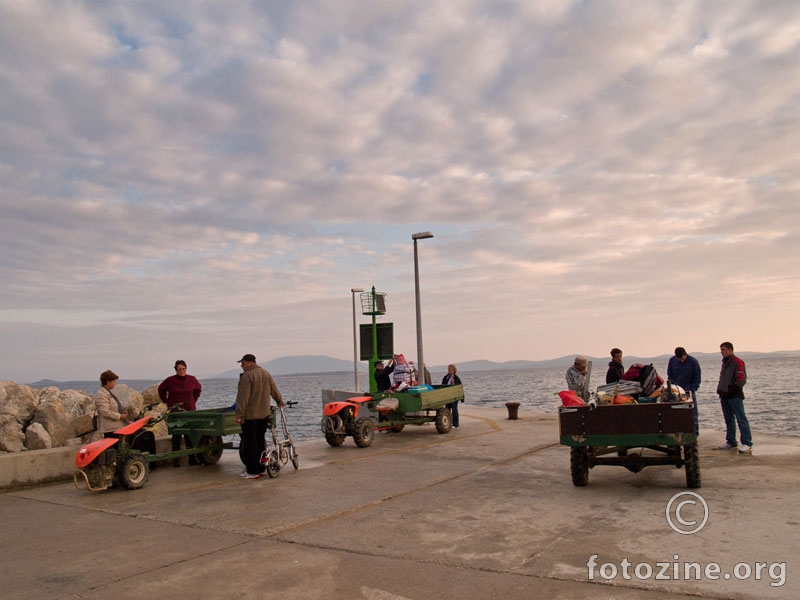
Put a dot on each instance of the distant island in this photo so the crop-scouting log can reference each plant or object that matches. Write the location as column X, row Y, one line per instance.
column 312, row 364
column 318, row 364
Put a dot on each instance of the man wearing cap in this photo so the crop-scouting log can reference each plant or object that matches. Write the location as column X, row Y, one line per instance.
column 576, row 375
column 256, row 386
column 382, row 373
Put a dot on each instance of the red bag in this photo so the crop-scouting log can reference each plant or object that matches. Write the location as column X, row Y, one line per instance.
column 570, row 398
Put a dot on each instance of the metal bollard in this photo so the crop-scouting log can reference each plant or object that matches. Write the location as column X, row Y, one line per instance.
column 512, row 407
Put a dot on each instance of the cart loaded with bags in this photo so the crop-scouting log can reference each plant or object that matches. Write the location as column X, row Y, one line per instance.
column 621, row 425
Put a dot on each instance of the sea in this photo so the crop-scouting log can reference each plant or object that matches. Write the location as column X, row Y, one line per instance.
column 771, row 403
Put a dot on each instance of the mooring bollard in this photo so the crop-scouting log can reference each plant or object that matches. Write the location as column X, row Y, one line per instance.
column 512, row 407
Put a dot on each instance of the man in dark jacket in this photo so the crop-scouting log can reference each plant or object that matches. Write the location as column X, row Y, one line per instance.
column 615, row 368
column 684, row 370
column 382, row 373
column 732, row 379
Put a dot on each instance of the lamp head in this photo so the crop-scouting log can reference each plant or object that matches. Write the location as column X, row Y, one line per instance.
column 356, row 290
column 422, row 235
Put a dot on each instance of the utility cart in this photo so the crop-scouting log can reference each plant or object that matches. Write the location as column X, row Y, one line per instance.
column 124, row 457
column 415, row 406
column 205, row 430
column 633, row 436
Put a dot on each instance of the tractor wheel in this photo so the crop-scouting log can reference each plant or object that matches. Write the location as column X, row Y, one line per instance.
column 273, row 464
column 364, row 432
column 335, row 439
column 135, row 471
column 210, row 457
column 579, row 465
column 692, row 465
column 444, row 420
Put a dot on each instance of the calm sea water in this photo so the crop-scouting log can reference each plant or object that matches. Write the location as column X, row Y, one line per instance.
column 771, row 403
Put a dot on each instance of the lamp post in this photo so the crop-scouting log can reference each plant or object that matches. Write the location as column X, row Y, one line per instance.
column 353, row 292
column 423, row 235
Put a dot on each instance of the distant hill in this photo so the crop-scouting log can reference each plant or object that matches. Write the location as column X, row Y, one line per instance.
column 294, row 365
column 566, row 361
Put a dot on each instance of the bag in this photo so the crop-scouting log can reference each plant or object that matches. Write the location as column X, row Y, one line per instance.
column 94, row 423
column 649, row 379
column 570, row 398
column 632, row 374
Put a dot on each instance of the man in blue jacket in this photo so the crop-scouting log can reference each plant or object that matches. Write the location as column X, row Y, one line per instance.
column 684, row 370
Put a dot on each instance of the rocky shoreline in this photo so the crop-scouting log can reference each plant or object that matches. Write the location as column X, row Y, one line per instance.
column 40, row 419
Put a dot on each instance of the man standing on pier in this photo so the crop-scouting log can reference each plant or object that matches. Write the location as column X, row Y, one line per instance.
column 256, row 386
column 684, row 370
column 732, row 378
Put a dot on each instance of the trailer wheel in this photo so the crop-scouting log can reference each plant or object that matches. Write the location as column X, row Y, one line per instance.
column 444, row 420
column 210, row 457
column 692, row 465
column 579, row 465
column 364, row 432
column 335, row 439
column 135, row 471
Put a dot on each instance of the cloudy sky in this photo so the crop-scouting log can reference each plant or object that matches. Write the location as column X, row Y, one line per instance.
column 200, row 180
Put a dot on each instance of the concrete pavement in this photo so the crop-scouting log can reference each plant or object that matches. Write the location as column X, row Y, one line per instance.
column 487, row 510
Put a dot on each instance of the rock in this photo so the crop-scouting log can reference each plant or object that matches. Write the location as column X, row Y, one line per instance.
column 131, row 400
column 150, row 395
column 11, row 437
column 37, row 438
column 83, row 424
column 20, row 401
column 77, row 403
column 56, row 420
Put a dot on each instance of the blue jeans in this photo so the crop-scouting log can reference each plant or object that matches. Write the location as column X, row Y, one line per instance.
column 453, row 406
column 733, row 411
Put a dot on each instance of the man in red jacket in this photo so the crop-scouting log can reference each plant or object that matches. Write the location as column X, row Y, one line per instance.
column 732, row 378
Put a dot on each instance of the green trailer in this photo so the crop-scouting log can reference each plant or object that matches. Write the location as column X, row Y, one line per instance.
column 416, row 406
column 633, row 436
column 205, row 430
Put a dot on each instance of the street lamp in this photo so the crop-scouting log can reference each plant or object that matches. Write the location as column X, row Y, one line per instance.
column 354, row 291
column 423, row 235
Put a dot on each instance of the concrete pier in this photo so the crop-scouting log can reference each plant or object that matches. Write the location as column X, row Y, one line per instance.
column 486, row 511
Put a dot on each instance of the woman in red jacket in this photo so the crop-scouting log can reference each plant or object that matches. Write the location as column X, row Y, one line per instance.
column 183, row 390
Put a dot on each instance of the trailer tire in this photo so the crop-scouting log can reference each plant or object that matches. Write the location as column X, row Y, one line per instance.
column 335, row 439
column 210, row 457
column 579, row 465
column 444, row 420
column 364, row 432
column 135, row 471
column 692, row 465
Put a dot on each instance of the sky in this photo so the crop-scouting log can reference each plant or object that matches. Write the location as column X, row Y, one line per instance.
column 198, row 180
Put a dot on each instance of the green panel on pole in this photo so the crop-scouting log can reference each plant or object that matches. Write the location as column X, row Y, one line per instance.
column 385, row 341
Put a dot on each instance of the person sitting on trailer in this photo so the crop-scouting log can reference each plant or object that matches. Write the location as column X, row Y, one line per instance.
column 576, row 375
column 615, row 368
column 382, row 379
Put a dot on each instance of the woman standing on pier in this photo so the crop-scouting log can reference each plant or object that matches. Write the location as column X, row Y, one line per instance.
column 452, row 379
column 110, row 412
